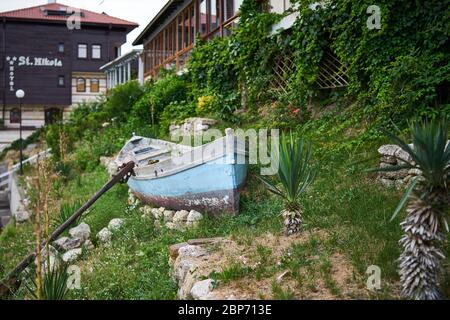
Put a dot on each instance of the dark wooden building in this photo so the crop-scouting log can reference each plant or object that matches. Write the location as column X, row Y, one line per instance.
column 56, row 62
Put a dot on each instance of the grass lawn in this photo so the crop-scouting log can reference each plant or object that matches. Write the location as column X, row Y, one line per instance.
column 345, row 202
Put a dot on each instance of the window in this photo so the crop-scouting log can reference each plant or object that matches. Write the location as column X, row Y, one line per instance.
column 61, row 81
column 95, row 85
column 231, row 8
column 14, row 116
column 61, row 47
column 202, row 19
column 96, row 51
column 214, row 17
column 116, row 52
column 82, row 51
column 81, row 85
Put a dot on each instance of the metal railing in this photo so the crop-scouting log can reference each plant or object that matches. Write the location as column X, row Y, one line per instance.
column 5, row 178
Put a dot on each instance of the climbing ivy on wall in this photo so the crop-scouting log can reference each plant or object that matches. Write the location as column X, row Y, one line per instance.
column 396, row 72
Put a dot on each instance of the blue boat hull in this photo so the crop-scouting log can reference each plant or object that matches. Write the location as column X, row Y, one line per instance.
column 211, row 187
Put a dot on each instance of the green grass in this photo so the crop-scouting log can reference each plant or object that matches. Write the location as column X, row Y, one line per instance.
column 344, row 202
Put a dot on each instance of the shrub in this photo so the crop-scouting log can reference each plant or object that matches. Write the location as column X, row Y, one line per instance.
column 121, row 100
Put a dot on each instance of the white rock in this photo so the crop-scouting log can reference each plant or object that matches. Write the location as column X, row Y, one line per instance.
column 157, row 214
column 115, row 224
column 201, row 290
column 105, row 235
column 162, row 209
column 88, row 245
column 82, row 231
column 171, row 226
column 192, row 251
column 21, row 216
column 181, row 216
column 388, row 150
column 66, row 243
column 72, row 255
column 168, row 215
column 194, row 218
column 49, row 261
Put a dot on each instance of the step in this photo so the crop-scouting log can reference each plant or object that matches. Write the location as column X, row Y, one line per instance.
column 5, row 213
column 4, row 221
column 4, row 196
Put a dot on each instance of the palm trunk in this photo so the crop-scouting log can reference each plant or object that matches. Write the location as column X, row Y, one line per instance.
column 420, row 262
column 293, row 221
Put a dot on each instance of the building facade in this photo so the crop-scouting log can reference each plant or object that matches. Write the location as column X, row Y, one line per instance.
column 55, row 64
column 124, row 68
column 169, row 38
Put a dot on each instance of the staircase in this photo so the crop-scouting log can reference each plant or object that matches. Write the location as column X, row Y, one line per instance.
column 5, row 213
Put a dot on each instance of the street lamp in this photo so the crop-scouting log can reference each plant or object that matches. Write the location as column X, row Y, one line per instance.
column 20, row 94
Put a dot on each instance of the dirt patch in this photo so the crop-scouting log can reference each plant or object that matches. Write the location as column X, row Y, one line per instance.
column 267, row 267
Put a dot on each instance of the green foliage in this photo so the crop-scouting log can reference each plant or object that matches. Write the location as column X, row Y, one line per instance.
column 121, row 100
column 176, row 111
column 67, row 210
column 54, row 284
column 397, row 72
column 295, row 172
column 212, row 69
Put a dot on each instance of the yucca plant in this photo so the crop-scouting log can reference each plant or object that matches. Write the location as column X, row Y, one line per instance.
column 66, row 211
column 54, row 284
column 295, row 174
column 428, row 206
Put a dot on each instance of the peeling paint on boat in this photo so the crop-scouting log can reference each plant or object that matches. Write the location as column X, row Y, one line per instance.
column 211, row 185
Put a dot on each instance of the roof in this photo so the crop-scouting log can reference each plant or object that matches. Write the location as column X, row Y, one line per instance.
column 41, row 13
column 130, row 55
column 160, row 19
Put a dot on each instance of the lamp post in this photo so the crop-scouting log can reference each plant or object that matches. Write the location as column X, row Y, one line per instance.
column 20, row 94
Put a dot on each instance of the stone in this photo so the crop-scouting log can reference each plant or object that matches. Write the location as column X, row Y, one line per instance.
column 388, row 150
column 201, row 290
column 157, row 214
column 49, row 261
column 168, row 215
column 21, row 216
column 194, row 218
column 105, row 235
column 88, row 245
column 171, row 226
column 387, row 183
column 82, row 231
column 415, row 172
column 115, row 224
column 66, row 243
column 173, row 249
column 197, row 242
column 388, row 160
column 72, row 255
column 110, row 165
column 180, row 216
column 192, row 251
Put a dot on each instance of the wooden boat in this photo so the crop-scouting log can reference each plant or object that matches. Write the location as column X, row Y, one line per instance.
column 205, row 178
